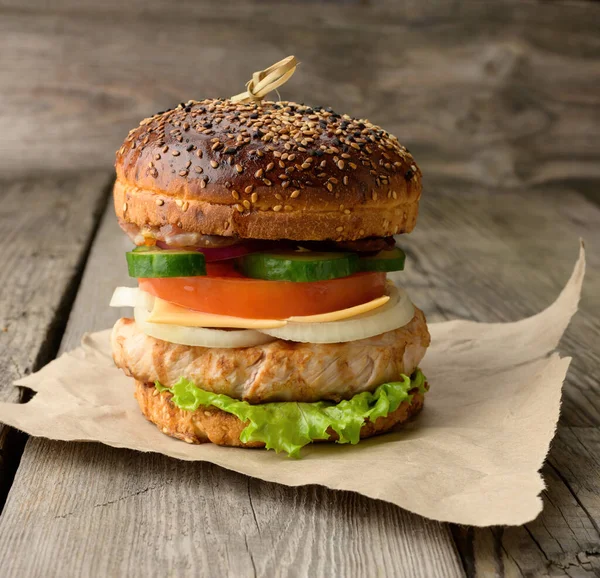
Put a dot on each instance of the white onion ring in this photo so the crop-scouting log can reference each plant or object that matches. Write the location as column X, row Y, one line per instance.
column 195, row 336
column 397, row 312
column 124, row 297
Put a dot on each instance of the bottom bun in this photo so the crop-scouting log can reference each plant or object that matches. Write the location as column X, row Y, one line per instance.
column 210, row 424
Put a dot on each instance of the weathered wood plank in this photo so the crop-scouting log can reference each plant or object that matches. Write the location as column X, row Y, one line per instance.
column 47, row 225
column 503, row 256
column 158, row 516
column 500, row 257
column 474, row 256
column 483, row 91
column 563, row 541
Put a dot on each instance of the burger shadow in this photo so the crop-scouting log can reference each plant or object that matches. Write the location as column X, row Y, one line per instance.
column 406, row 432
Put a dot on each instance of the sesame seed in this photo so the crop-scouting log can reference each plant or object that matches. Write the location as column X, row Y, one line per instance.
column 341, row 165
column 246, row 203
column 339, row 229
column 124, row 207
column 199, row 169
column 278, row 197
column 183, row 173
column 374, row 195
column 235, row 195
column 239, row 208
column 295, row 194
column 277, row 208
column 254, row 197
column 259, row 173
column 185, row 206
column 248, row 189
column 175, row 153
column 347, row 211
column 270, row 166
column 267, row 182
column 329, row 187
column 178, row 202
column 160, row 202
column 214, row 164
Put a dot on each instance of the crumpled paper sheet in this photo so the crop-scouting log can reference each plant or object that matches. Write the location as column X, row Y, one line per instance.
column 472, row 456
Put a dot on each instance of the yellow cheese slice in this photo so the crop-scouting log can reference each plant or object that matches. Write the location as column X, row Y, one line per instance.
column 165, row 312
column 342, row 313
column 169, row 313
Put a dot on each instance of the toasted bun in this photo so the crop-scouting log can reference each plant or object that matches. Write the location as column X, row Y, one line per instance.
column 266, row 171
column 209, row 424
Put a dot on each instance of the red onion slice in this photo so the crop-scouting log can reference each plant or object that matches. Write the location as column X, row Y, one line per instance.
column 218, row 253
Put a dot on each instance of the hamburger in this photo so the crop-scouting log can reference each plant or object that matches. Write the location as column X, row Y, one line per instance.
column 264, row 235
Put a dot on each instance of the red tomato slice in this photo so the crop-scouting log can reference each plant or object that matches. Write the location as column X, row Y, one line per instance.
column 224, row 291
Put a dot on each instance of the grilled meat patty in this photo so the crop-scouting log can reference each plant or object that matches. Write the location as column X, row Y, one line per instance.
column 279, row 370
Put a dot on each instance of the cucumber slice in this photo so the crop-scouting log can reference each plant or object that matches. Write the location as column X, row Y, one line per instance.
column 392, row 260
column 148, row 262
column 298, row 266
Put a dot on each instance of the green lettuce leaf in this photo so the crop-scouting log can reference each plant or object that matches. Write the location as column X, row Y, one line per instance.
column 289, row 426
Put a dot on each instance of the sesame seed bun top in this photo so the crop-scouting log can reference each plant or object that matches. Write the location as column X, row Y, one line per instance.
column 274, row 170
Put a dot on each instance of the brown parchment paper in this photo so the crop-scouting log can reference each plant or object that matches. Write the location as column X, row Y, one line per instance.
column 472, row 457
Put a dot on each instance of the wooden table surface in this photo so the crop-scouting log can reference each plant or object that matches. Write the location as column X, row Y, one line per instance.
column 499, row 102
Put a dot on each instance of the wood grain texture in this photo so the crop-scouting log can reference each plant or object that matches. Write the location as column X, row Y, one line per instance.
column 562, row 541
column 499, row 257
column 499, row 102
column 47, row 225
column 496, row 257
column 509, row 255
column 482, row 92
column 158, row 516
